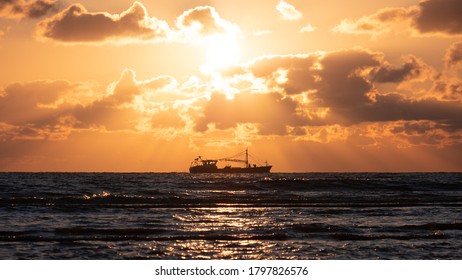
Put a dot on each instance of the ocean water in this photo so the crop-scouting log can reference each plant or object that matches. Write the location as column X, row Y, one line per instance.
column 216, row 216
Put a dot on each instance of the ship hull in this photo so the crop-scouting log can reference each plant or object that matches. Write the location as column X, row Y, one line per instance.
column 214, row 169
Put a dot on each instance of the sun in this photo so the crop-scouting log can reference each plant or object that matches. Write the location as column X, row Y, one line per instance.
column 222, row 51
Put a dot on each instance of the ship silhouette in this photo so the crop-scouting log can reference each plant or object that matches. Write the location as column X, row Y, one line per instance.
column 200, row 165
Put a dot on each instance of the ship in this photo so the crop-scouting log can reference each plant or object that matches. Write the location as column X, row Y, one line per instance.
column 200, row 165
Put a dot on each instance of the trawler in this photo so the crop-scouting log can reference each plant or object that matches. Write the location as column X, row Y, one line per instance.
column 200, row 165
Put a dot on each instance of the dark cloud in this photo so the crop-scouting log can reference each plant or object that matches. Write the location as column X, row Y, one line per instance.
column 332, row 80
column 353, row 98
column 416, row 133
column 76, row 24
column 439, row 16
column 453, row 55
column 428, row 17
column 413, row 127
column 27, row 8
column 449, row 89
column 341, row 82
column 395, row 107
column 338, row 88
column 413, row 68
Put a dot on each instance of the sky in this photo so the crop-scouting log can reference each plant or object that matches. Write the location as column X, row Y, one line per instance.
column 307, row 85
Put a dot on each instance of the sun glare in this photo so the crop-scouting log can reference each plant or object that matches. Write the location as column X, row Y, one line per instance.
column 222, row 51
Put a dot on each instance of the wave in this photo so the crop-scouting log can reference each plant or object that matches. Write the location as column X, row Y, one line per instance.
column 136, row 234
column 319, row 228
column 215, row 200
column 434, row 226
column 329, row 207
column 366, row 237
column 314, row 231
column 405, row 232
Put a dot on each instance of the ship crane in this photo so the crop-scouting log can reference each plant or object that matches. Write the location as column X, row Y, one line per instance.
column 235, row 160
column 232, row 159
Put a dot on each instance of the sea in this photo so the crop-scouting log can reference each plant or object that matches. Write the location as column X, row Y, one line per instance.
column 174, row 216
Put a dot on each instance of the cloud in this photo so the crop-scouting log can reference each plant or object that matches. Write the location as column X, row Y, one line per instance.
column 125, row 89
column 167, row 118
column 396, row 107
column 119, row 110
column 76, row 24
column 104, row 115
column 38, row 109
column 298, row 92
column 285, row 74
column 439, row 16
column 412, row 69
column 429, row 17
column 203, row 21
column 288, row 11
column 54, row 109
column 307, row 29
column 269, row 111
column 383, row 21
column 407, row 134
column 262, row 32
column 453, row 55
column 341, row 82
column 18, row 9
column 339, row 88
column 38, row 102
column 317, row 97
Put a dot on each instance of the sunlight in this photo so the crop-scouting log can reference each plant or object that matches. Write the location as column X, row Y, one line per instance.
column 222, row 51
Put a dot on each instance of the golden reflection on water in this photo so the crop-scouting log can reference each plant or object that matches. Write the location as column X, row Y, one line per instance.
column 223, row 249
column 238, row 233
column 234, row 219
column 225, row 233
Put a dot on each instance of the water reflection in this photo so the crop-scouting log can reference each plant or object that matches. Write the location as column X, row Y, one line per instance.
column 227, row 233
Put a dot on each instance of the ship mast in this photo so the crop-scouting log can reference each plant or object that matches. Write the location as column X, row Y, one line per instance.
column 246, row 158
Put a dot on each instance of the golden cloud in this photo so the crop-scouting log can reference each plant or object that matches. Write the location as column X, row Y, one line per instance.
column 317, row 97
column 203, row 21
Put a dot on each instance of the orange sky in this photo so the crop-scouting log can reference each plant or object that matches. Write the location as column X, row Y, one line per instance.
column 307, row 85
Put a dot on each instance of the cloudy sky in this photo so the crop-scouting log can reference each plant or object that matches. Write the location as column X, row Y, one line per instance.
column 309, row 85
